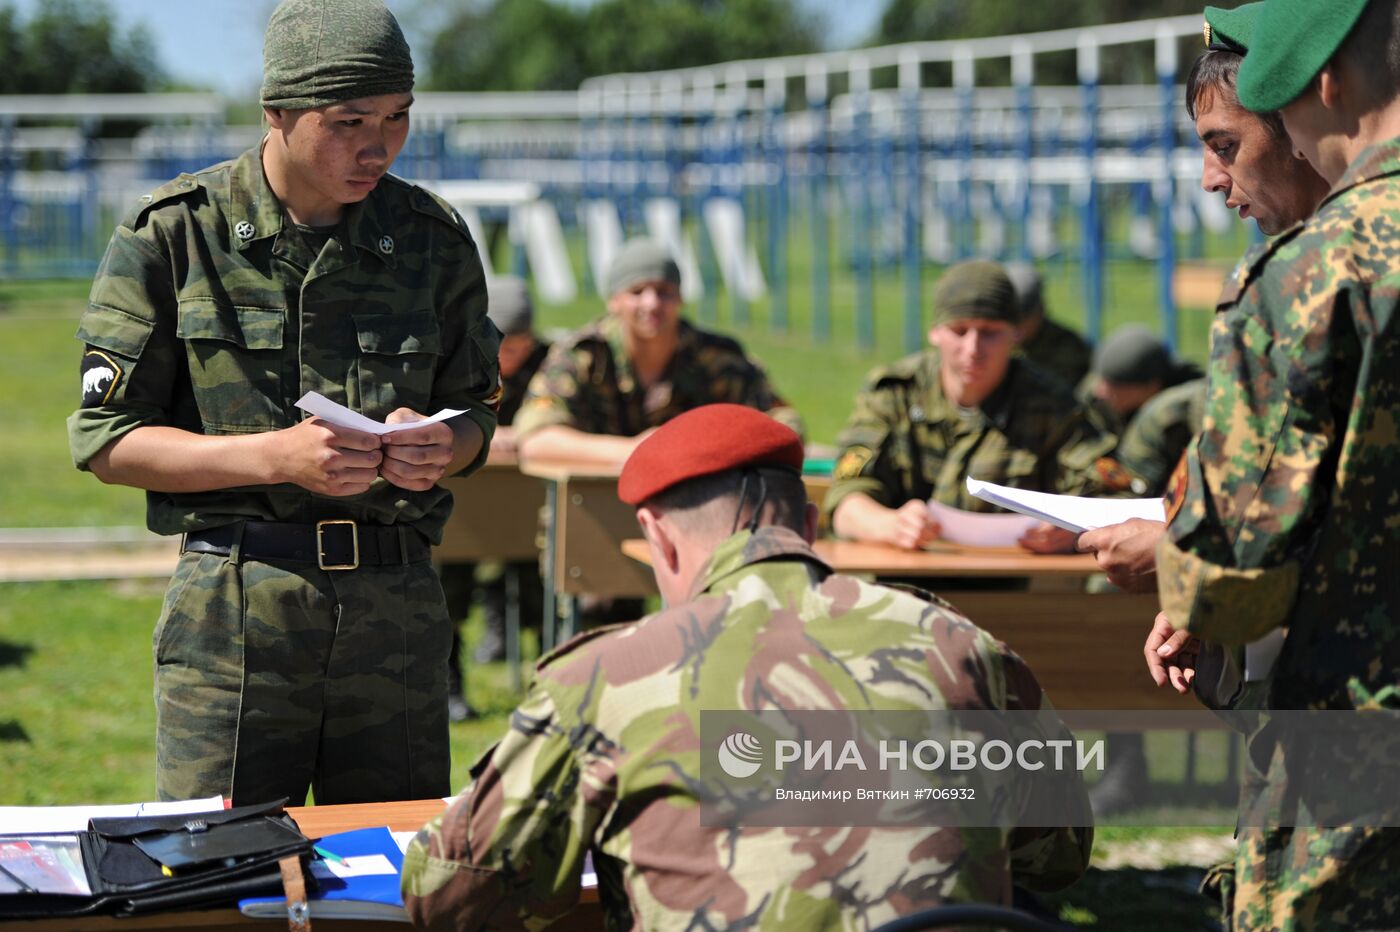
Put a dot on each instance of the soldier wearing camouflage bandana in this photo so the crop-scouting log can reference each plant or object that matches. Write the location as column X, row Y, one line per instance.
column 1282, row 515
column 303, row 636
column 604, row 754
column 967, row 407
column 635, row 369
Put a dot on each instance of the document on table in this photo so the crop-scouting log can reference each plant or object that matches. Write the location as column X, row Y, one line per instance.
column 1071, row 512
column 975, row 529
column 321, row 406
column 45, row 820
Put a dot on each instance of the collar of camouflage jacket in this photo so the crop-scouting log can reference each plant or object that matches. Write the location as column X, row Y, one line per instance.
column 255, row 213
column 746, row 548
column 1374, row 162
column 995, row 408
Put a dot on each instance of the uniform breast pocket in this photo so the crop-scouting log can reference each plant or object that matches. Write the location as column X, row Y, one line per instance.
column 398, row 361
column 235, row 358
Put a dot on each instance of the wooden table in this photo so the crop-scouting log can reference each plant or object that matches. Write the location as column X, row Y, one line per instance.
column 1085, row 648
column 315, row 821
column 586, row 524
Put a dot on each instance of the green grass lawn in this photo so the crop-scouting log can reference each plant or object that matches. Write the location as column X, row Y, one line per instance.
column 76, row 717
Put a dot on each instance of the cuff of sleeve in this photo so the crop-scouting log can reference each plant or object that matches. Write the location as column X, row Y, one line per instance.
column 484, row 418
column 844, row 487
column 91, row 429
column 539, row 413
column 1219, row 603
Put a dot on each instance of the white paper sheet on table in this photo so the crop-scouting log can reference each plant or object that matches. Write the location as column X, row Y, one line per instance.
column 1071, row 512
column 975, row 529
column 321, row 406
column 44, row 820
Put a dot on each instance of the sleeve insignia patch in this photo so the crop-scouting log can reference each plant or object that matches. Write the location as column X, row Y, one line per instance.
column 101, row 375
column 1112, row 475
column 852, row 463
column 1176, row 489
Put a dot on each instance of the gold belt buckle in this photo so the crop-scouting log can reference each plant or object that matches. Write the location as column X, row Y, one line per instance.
column 321, row 545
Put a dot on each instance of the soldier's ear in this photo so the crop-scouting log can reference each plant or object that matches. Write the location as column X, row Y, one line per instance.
column 665, row 556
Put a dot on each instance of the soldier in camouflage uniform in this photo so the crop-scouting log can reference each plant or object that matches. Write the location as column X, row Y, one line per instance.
column 1246, row 158
column 303, row 635
column 1282, row 514
column 633, row 370
column 604, row 754
column 1053, row 347
column 967, row 407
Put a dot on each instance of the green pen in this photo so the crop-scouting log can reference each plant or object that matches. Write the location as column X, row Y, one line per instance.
column 328, row 855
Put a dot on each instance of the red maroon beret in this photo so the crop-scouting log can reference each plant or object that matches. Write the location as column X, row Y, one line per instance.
column 705, row 441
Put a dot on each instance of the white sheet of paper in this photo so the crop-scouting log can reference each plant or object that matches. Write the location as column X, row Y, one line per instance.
column 366, row 865
column 321, row 406
column 44, row 820
column 975, row 529
column 1071, row 512
column 1261, row 655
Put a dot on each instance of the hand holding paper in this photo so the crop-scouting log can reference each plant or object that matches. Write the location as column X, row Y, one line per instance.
column 327, row 410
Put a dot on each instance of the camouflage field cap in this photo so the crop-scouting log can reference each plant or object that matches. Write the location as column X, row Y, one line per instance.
column 319, row 52
column 704, row 441
column 1231, row 30
column 1292, row 40
column 508, row 305
column 641, row 260
column 975, row 289
column 1133, row 355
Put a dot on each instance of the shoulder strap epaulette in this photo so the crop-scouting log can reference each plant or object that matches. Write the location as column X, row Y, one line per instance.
column 181, row 186
column 433, row 205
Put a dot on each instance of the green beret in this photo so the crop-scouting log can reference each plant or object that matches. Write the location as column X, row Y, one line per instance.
column 1231, row 30
column 319, row 52
column 975, row 289
column 1293, row 39
column 641, row 260
column 1133, row 355
column 508, row 305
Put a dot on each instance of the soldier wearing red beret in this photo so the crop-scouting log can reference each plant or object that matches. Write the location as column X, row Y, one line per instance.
column 605, row 753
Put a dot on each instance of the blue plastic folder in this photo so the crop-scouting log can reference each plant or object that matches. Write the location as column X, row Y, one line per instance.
column 361, row 886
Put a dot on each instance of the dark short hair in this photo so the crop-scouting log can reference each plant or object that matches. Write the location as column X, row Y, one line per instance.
column 784, row 493
column 1215, row 71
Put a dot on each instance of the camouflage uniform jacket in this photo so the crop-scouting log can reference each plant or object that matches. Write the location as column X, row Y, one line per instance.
column 1059, row 351
column 1159, row 433
column 1283, row 511
column 1283, row 514
column 603, row 756
column 210, row 313
column 587, row 383
column 514, row 386
column 905, row 440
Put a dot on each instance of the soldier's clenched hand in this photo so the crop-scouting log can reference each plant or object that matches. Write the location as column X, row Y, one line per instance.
column 1171, row 655
column 416, row 459
column 326, row 459
column 912, row 525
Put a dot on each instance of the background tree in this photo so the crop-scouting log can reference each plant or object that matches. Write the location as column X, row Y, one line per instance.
column 75, row 46
column 532, row 45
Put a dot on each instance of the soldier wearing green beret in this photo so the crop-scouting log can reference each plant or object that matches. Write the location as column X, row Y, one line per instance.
column 1052, row 346
column 965, row 407
column 604, row 386
column 605, row 753
column 302, row 641
column 1248, row 159
column 1281, row 516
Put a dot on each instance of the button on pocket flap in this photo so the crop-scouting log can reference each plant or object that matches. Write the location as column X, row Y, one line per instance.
column 395, row 334
column 248, row 327
column 114, row 330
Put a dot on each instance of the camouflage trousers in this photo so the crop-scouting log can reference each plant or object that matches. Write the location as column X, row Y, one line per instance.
column 270, row 679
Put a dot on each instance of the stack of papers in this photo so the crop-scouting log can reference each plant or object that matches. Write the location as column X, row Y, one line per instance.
column 975, row 529
column 1071, row 512
column 48, row 820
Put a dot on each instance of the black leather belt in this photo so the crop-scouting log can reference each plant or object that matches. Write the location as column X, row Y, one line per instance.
column 332, row 545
